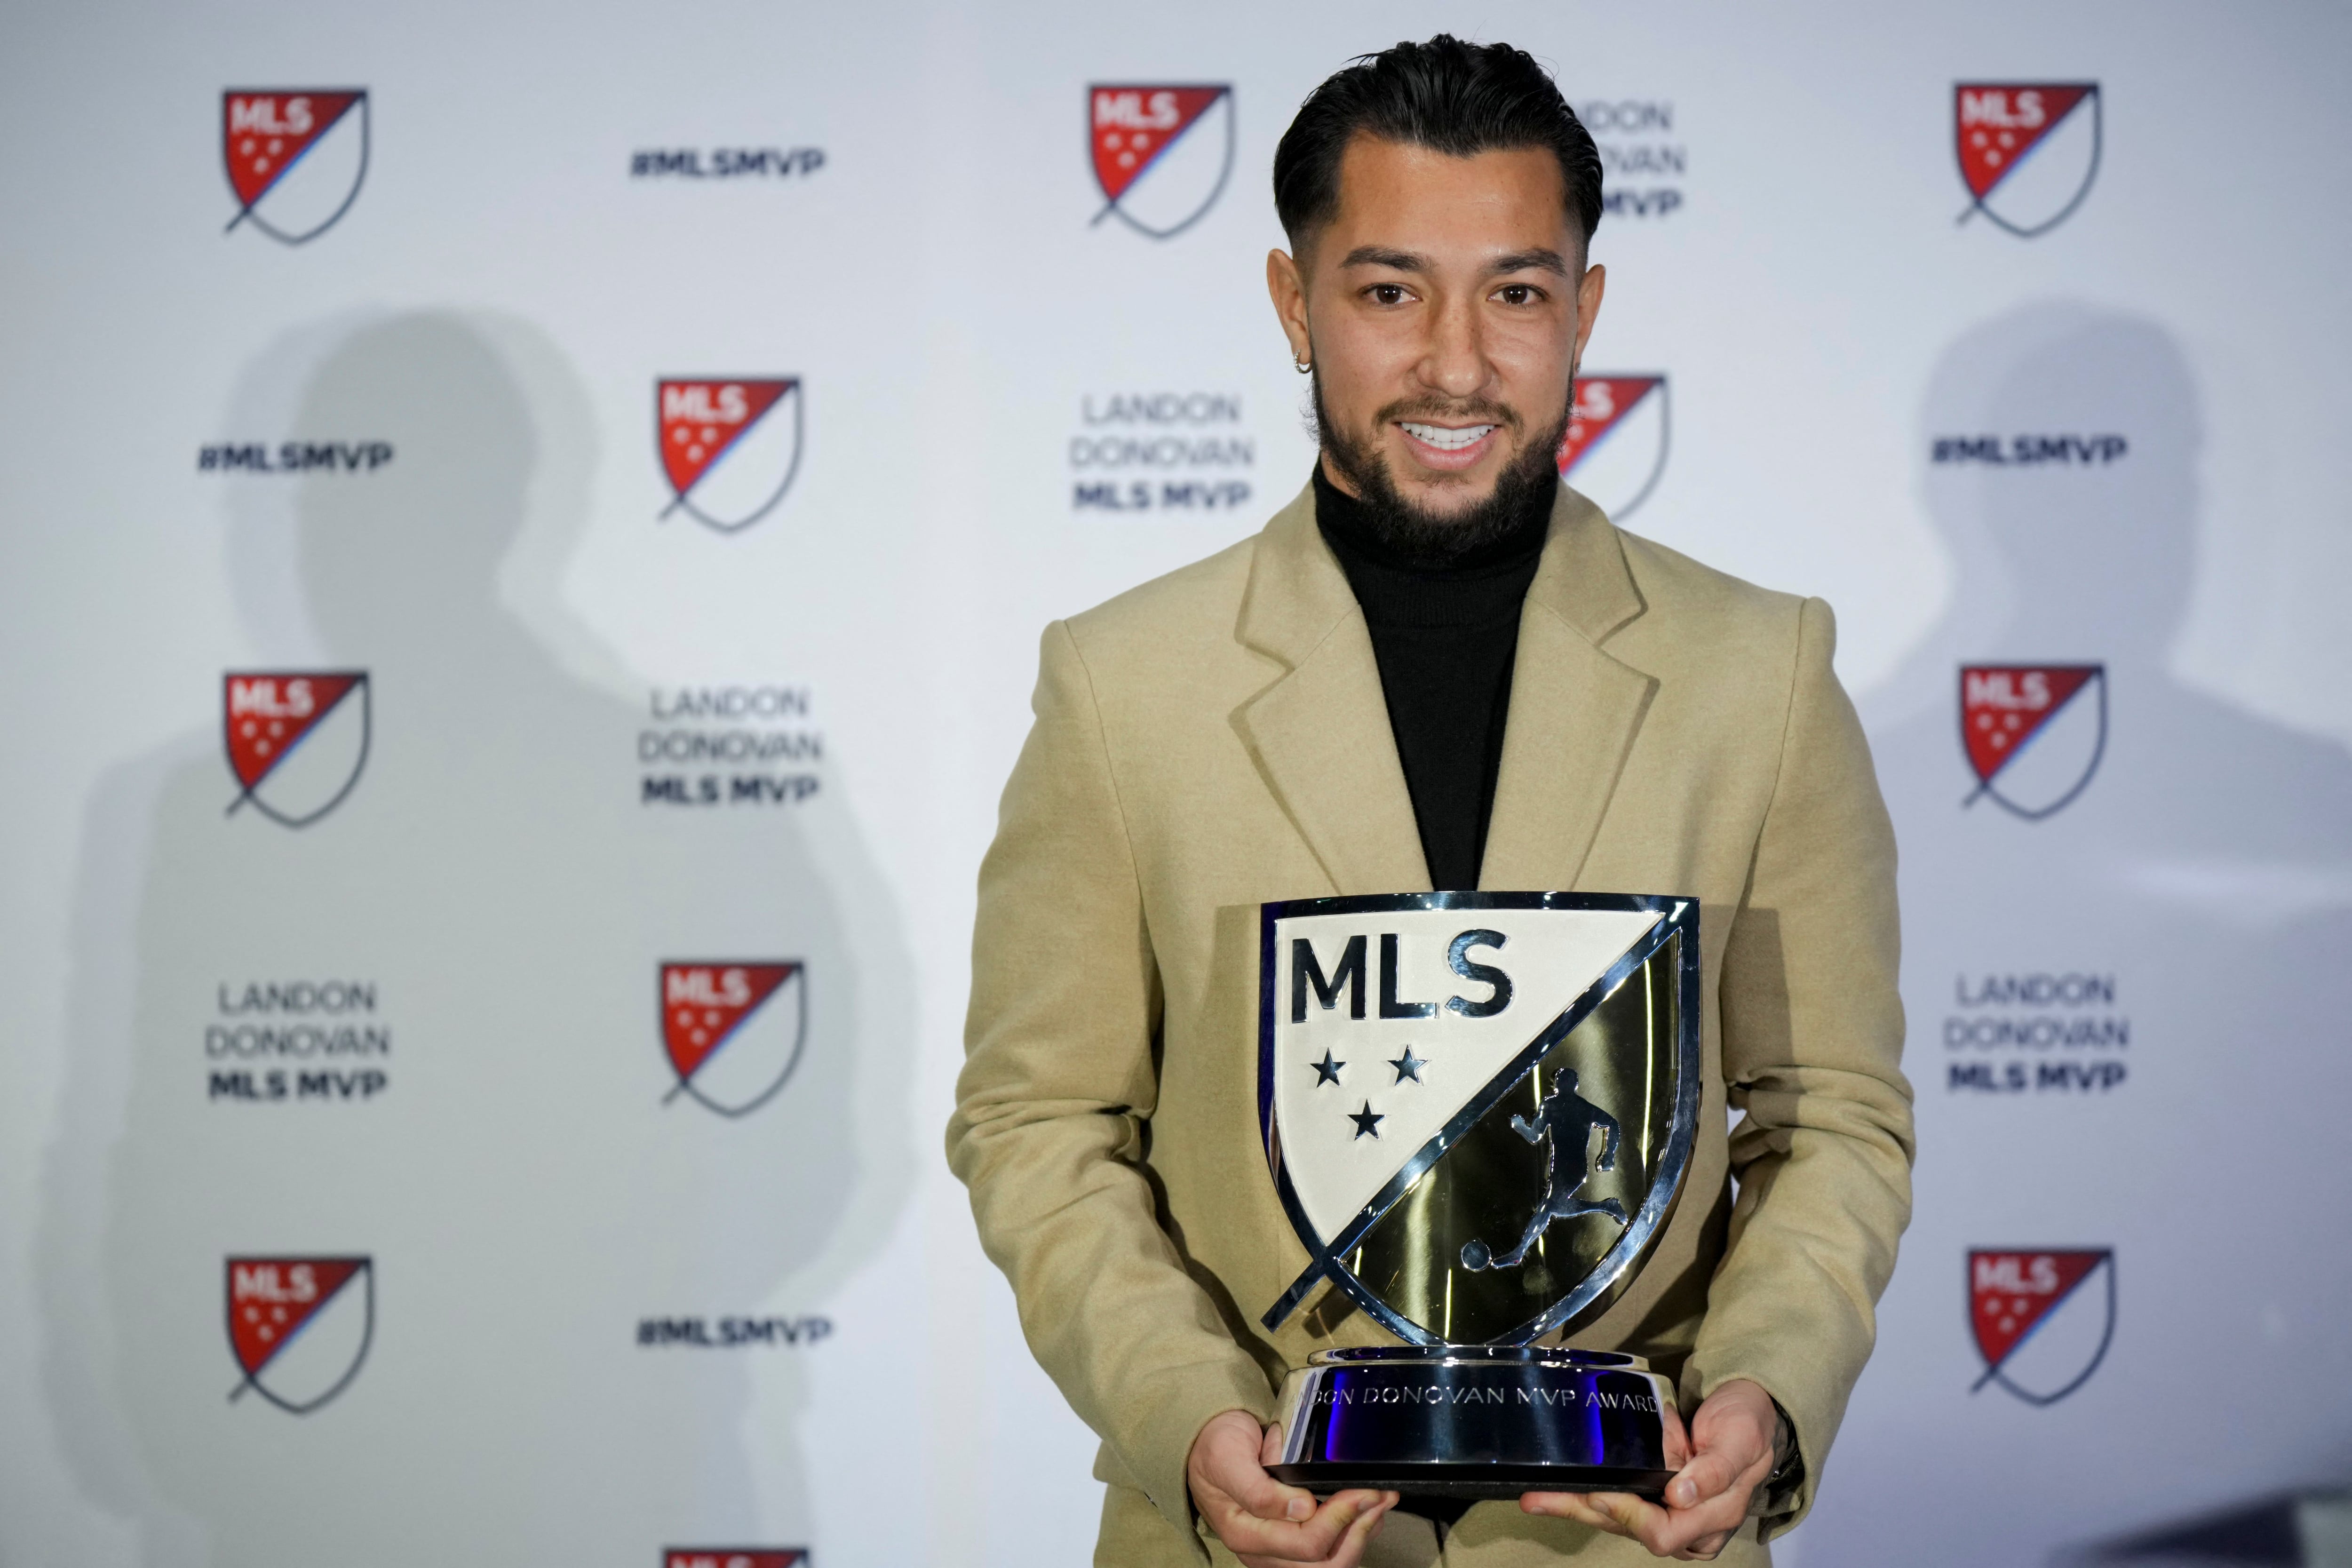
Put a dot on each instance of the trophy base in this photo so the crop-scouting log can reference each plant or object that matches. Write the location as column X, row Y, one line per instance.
column 1474, row 1421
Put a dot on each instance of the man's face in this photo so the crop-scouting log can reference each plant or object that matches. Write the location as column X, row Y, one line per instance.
column 1443, row 308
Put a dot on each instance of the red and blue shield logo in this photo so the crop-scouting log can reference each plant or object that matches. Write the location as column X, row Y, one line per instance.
column 297, row 740
column 1614, row 452
column 295, row 157
column 2034, row 733
column 2043, row 1318
column 1162, row 152
column 299, row 1327
column 730, row 445
column 2028, row 149
column 733, row 1030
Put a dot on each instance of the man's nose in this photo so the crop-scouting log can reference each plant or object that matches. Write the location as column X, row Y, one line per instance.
column 1454, row 360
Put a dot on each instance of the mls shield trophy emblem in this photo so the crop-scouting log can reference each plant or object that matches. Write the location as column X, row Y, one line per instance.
column 1478, row 1110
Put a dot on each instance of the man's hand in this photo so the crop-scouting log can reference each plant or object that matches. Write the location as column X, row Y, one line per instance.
column 1729, row 1454
column 1264, row 1522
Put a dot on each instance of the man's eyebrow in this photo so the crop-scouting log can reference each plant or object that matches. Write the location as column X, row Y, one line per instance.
column 1541, row 259
column 1380, row 256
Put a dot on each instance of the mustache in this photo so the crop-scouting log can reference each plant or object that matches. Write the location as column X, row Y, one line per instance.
column 1467, row 411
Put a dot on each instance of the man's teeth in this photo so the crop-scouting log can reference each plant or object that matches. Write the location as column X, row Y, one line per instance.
column 1444, row 439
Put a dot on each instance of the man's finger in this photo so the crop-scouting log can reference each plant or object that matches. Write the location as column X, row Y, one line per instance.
column 1633, row 1516
column 1225, row 1460
column 1678, row 1448
column 1347, row 1553
column 1241, row 1478
column 1706, row 1548
column 1683, row 1531
column 1707, row 1476
column 1618, row 1513
column 1360, row 1536
column 1315, row 1540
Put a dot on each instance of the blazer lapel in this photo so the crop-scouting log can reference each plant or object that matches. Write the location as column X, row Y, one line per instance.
column 1574, row 708
column 1320, row 732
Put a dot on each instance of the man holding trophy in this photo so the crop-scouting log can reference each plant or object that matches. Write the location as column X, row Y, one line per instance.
column 1365, row 1222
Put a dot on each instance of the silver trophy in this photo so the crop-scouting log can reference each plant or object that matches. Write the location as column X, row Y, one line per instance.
column 1479, row 1109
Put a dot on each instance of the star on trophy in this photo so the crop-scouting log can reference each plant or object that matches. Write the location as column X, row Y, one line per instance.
column 1478, row 1110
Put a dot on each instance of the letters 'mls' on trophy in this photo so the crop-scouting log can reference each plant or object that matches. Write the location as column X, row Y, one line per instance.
column 1478, row 1110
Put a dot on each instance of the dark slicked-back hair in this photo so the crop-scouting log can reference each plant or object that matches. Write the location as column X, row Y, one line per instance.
column 1445, row 95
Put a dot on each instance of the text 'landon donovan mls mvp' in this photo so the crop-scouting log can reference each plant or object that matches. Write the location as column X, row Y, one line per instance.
column 295, row 157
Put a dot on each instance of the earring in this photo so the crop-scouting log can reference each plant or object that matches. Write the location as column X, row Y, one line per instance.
column 1303, row 367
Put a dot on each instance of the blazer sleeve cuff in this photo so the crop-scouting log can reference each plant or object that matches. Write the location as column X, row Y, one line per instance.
column 1813, row 1414
column 1160, row 1424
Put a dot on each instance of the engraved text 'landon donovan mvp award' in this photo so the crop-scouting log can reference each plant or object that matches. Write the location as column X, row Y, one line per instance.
column 1478, row 1110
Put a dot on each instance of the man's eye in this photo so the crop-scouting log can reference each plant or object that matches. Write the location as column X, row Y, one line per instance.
column 1517, row 294
column 1387, row 294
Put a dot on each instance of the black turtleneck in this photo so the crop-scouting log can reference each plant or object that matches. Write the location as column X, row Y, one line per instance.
column 1444, row 637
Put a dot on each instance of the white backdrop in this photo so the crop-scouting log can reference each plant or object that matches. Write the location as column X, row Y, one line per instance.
column 602, row 1322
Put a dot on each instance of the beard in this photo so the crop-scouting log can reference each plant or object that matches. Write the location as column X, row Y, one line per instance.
column 1427, row 537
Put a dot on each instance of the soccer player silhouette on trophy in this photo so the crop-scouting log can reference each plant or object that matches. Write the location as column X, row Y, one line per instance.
column 1569, row 1118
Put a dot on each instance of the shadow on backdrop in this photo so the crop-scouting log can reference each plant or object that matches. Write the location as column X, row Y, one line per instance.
column 2176, row 1092
column 2094, row 562
column 2305, row 1530
column 526, row 1192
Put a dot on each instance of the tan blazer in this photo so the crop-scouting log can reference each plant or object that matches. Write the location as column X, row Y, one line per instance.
column 1217, row 739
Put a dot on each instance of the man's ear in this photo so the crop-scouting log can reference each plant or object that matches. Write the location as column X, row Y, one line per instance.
column 1589, row 290
column 1288, row 289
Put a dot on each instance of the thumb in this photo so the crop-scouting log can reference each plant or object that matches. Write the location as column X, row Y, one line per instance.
column 1280, row 1501
column 1706, row 1476
column 1678, row 1445
column 1241, row 1476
